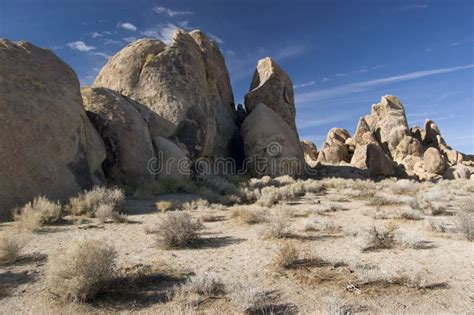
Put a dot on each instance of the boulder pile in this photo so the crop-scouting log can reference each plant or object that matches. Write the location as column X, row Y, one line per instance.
column 157, row 112
column 384, row 145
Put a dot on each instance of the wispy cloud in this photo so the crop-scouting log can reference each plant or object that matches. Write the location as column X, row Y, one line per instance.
column 127, row 26
column 455, row 44
column 130, row 39
column 101, row 54
column 304, row 84
column 290, row 51
column 169, row 12
column 162, row 32
column 80, row 46
column 217, row 39
column 413, row 6
column 351, row 88
column 96, row 34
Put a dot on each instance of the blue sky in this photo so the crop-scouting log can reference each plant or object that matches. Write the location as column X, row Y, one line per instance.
column 341, row 55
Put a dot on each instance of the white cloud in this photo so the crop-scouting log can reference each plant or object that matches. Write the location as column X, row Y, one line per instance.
column 290, row 51
column 169, row 12
column 96, row 34
column 80, row 46
column 455, row 44
column 130, row 39
column 304, row 84
column 215, row 38
column 413, row 6
column 128, row 26
column 351, row 88
column 163, row 33
column 109, row 41
column 101, row 54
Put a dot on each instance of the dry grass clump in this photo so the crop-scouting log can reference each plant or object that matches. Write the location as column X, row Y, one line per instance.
column 89, row 202
column 409, row 214
column 250, row 216
column 10, row 248
column 208, row 217
column 404, row 187
column 164, row 205
column 375, row 238
column 198, row 288
column 465, row 219
column 439, row 226
column 409, row 239
column 278, row 224
column 382, row 199
column 195, row 204
column 79, row 273
column 286, row 256
column 320, row 225
column 178, row 230
column 36, row 214
column 247, row 299
column 107, row 213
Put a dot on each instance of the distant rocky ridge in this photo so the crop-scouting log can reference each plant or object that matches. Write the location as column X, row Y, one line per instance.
column 174, row 105
column 384, row 145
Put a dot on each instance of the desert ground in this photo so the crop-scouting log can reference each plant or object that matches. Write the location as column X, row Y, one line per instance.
column 325, row 246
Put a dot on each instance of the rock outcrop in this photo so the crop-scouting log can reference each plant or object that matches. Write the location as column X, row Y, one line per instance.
column 272, row 87
column 310, row 152
column 172, row 162
column 125, row 134
column 334, row 150
column 373, row 158
column 388, row 121
column 48, row 145
column 416, row 152
column 271, row 146
column 186, row 83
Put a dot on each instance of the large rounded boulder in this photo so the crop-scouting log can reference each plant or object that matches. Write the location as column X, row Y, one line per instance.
column 186, row 83
column 271, row 146
column 48, row 145
column 434, row 162
column 125, row 134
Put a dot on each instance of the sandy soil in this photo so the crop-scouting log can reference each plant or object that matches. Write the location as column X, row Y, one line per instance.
column 238, row 253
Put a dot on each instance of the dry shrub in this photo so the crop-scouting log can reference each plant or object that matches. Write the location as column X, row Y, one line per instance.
column 409, row 239
column 177, row 230
column 375, row 238
column 404, row 187
column 286, row 256
column 79, row 273
column 250, row 216
column 321, row 225
column 164, row 205
column 278, row 224
column 88, row 202
column 249, row 300
column 195, row 204
column 199, row 287
column 106, row 213
column 10, row 248
column 439, row 226
column 465, row 219
column 409, row 214
column 208, row 217
column 37, row 213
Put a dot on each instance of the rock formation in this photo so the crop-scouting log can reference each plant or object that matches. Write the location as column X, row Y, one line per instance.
column 186, row 83
column 48, row 145
column 310, row 152
column 271, row 146
column 125, row 134
column 373, row 158
column 272, row 87
column 334, row 150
